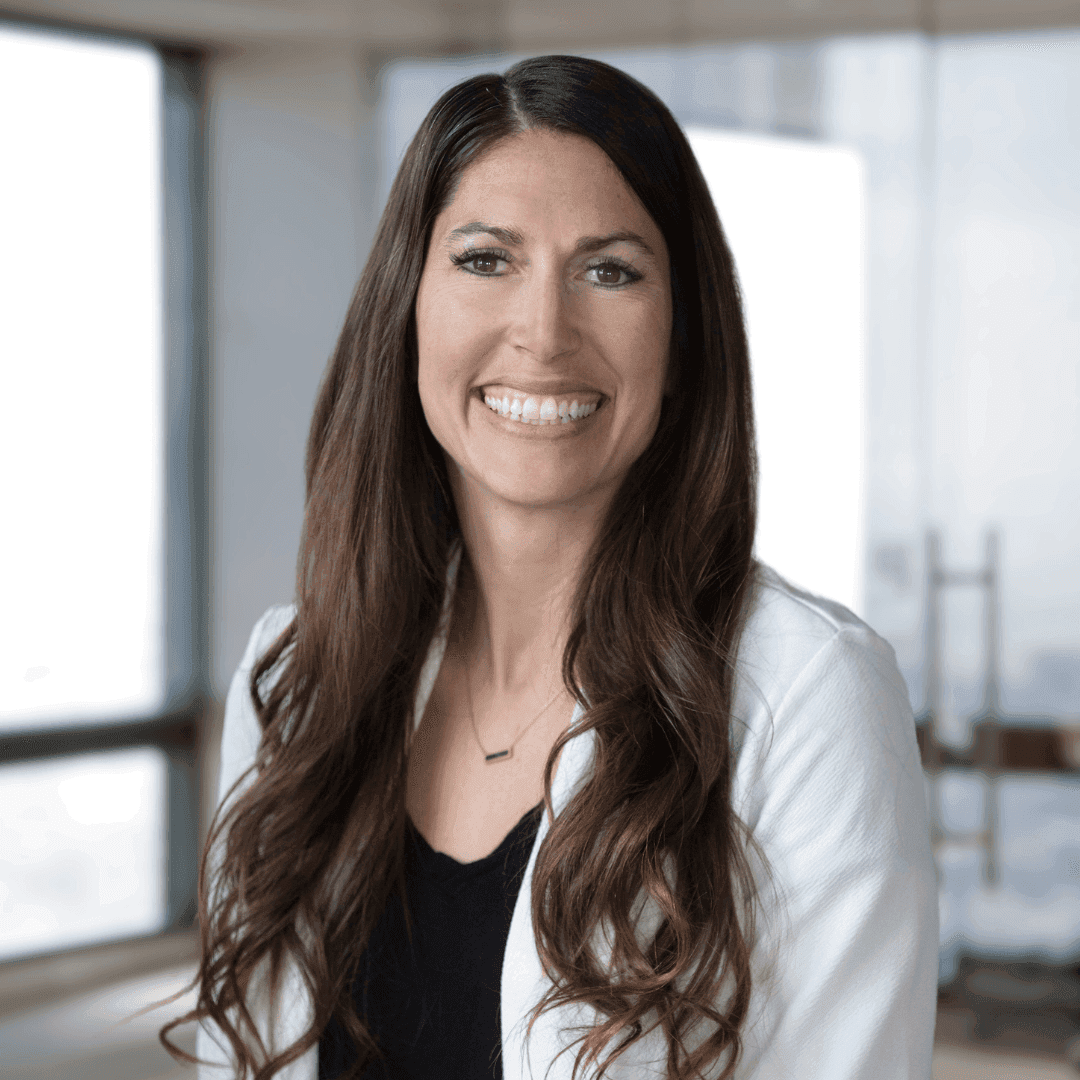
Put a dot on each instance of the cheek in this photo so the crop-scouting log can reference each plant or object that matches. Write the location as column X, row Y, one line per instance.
column 427, row 316
column 639, row 340
column 448, row 325
column 437, row 339
column 429, row 346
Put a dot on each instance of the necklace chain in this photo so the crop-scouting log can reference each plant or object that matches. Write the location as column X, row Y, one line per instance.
column 500, row 755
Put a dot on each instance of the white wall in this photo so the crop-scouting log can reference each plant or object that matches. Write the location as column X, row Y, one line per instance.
column 794, row 214
column 291, row 189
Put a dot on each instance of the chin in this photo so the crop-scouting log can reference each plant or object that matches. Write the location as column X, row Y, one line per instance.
column 538, row 493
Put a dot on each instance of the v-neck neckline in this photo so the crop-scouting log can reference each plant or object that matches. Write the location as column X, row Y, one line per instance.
column 443, row 865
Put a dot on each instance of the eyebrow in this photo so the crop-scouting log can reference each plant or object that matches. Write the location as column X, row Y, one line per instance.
column 503, row 235
column 597, row 243
column 585, row 245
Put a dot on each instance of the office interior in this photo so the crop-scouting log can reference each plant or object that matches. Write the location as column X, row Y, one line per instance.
column 898, row 182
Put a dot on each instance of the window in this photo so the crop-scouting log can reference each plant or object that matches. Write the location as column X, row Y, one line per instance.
column 102, row 648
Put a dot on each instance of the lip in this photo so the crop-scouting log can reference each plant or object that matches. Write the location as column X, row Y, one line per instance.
column 539, row 388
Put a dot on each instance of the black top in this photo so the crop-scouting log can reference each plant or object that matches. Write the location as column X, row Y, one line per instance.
column 434, row 1009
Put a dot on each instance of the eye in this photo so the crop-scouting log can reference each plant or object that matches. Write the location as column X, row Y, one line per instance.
column 612, row 272
column 483, row 263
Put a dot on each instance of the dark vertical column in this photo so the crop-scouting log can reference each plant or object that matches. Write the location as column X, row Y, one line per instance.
column 991, row 707
column 186, row 515
column 992, row 615
column 932, row 667
column 932, row 631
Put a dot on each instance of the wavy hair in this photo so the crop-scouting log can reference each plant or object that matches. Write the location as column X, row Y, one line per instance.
column 308, row 853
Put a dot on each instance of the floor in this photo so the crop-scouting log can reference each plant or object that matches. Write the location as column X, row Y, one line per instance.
column 95, row 1037
column 950, row 1063
column 953, row 1062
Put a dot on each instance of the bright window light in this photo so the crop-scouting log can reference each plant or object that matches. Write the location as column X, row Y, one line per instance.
column 794, row 213
column 81, row 363
column 82, row 850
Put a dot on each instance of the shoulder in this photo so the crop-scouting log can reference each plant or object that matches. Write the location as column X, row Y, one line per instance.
column 241, row 731
column 819, row 702
column 793, row 637
column 821, row 716
column 268, row 626
column 828, row 780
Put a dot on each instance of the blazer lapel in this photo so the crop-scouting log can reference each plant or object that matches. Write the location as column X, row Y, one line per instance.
column 523, row 980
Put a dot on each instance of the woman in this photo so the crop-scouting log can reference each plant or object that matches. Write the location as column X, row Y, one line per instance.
column 543, row 774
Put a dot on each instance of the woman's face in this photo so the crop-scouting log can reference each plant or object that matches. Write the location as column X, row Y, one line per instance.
column 546, row 290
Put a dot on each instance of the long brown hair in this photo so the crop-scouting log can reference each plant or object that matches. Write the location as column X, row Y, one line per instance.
column 308, row 854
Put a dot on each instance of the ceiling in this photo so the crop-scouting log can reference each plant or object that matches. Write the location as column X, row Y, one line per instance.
column 422, row 27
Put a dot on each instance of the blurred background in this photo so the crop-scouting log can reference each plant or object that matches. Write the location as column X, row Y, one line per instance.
column 187, row 196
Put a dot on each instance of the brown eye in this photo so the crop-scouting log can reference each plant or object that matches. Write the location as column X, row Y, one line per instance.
column 482, row 263
column 612, row 274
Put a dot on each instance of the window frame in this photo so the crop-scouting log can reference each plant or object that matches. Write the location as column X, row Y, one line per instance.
column 179, row 729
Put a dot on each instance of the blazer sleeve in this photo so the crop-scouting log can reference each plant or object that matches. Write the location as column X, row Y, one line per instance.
column 846, row 957
column 240, row 738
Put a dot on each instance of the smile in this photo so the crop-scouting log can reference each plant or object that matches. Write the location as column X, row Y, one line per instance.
column 540, row 411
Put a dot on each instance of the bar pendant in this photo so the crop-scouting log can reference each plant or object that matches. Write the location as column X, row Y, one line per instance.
column 499, row 755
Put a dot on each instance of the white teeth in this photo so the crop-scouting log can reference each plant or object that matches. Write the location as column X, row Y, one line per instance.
column 531, row 411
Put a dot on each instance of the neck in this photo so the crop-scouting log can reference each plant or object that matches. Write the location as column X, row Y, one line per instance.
column 518, row 574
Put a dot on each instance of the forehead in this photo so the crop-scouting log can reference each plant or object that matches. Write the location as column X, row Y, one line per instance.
column 564, row 181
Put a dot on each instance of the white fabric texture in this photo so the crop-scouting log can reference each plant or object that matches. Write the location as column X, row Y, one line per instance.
column 829, row 781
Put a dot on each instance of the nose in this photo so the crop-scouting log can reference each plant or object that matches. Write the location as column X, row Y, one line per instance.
column 542, row 321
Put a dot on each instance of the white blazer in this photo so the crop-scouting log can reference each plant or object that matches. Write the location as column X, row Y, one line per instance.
column 829, row 780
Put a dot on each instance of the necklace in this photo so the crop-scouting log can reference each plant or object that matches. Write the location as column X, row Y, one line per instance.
column 500, row 755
